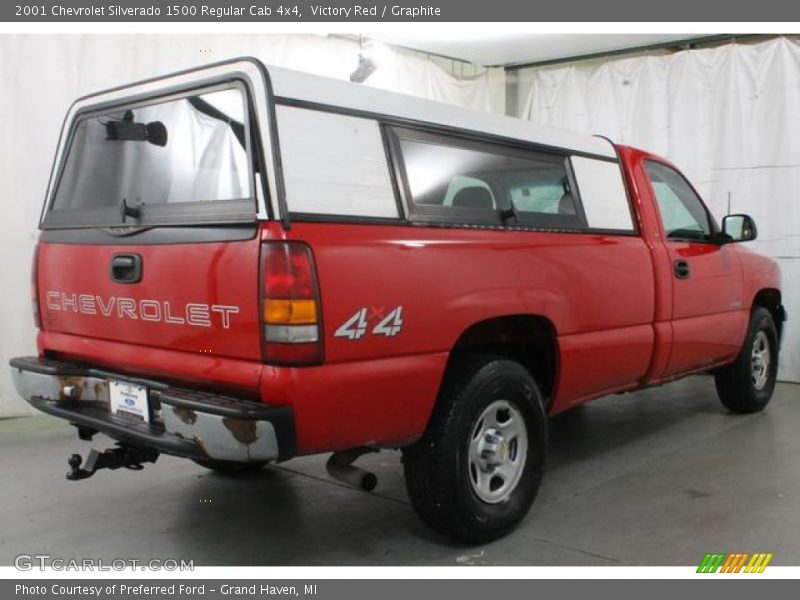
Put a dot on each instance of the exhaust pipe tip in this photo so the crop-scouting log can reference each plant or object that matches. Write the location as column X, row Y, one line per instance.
column 340, row 467
column 369, row 481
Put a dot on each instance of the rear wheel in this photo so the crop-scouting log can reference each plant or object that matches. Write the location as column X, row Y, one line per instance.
column 477, row 468
column 746, row 385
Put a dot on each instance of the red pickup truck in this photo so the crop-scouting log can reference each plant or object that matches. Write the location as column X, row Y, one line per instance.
column 241, row 264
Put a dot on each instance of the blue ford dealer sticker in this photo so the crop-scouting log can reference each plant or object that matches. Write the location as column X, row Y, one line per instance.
column 129, row 399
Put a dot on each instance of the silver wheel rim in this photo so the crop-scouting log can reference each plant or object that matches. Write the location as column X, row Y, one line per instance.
column 759, row 360
column 498, row 446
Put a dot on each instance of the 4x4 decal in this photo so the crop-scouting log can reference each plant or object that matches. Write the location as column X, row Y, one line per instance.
column 356, row 326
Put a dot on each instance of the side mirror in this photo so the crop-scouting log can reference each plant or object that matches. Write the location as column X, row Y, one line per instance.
column 739, row 228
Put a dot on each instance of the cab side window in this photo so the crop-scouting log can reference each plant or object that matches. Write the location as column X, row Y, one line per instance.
column 682, row 212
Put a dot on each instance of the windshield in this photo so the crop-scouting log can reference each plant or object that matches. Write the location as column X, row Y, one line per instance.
column 167, row 161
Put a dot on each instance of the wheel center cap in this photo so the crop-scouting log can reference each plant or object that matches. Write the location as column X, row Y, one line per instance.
column 496, row 451
column 502, row 452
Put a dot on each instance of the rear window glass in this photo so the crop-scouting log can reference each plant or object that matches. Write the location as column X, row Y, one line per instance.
column 173, row 160
column 460, row 182
column 543, row 191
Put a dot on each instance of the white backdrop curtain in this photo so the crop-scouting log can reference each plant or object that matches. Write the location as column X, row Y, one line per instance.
column 43, row 74
column 729, row 117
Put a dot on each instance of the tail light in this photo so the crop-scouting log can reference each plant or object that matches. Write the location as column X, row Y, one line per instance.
column 290, row 305
column 37, row 315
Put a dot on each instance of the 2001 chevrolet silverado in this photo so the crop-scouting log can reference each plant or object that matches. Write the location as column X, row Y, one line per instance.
column 241, row 264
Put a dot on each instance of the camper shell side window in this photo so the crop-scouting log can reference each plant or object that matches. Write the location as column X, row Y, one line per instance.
column 451, row 179
column 334, row 166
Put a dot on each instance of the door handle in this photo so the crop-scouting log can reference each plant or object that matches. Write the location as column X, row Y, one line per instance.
column 126, row 268
column 682, row 270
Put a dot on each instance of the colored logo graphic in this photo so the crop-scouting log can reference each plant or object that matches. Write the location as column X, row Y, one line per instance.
column 737, row 562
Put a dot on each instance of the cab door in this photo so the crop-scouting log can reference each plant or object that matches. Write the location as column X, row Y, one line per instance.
column 708, row 318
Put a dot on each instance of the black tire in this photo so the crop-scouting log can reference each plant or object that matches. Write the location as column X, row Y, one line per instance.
column 738, row 388
column 440, row 477
column 229, row 468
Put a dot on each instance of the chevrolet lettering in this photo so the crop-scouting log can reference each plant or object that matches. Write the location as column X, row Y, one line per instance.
column 192, row 313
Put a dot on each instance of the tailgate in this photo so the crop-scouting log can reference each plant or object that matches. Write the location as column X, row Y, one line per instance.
column 200, row 298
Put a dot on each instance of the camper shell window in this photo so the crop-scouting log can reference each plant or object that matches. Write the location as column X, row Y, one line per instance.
column 451, row 179
column 174, row 160
column 334, row 165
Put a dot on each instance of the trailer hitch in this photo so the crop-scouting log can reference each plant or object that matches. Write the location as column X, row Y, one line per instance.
column 113, row 458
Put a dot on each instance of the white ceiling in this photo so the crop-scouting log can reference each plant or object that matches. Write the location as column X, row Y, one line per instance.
column 491, row 48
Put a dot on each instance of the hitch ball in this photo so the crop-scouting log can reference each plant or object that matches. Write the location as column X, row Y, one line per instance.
column 75, row 472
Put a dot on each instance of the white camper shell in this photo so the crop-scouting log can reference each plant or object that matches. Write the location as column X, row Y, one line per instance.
column 327, row 149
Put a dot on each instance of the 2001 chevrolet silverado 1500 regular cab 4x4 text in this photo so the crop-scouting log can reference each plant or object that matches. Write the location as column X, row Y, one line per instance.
column 241, row 264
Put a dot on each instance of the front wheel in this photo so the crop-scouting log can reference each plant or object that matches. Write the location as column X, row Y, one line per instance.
column 746, row 385
column 477, row 468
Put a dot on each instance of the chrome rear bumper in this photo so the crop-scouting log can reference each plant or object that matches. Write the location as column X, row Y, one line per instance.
column 184, row 422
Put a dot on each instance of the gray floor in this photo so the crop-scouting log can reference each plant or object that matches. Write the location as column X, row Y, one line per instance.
column 654, row 478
